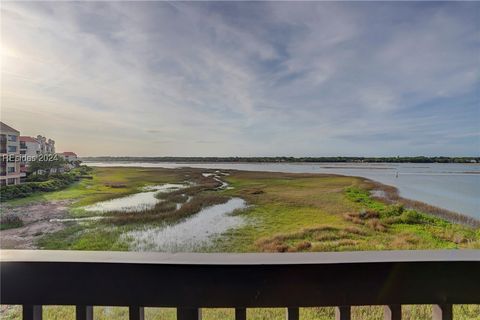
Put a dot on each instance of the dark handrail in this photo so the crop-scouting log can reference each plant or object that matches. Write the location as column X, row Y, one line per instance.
column 190, row 281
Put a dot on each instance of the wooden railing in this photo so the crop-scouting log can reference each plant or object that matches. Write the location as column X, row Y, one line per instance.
column 189, row 282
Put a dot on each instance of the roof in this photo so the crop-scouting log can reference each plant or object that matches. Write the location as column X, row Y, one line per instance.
column 69, row 153
column 6, row 128
column 28, row 139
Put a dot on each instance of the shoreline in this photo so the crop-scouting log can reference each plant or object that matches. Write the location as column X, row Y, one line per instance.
column 392, row 196
column 410, row 186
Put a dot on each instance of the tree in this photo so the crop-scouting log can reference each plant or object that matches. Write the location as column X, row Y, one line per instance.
column 45, row 164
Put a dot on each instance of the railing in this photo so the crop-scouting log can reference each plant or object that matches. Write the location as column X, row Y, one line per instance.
column 192, row 281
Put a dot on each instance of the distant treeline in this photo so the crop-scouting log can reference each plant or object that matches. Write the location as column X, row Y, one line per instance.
column 419, row 159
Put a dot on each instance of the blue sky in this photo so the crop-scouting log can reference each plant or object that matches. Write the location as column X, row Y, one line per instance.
column 244, row 79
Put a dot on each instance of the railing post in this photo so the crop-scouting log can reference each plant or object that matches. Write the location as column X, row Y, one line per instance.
column 84, row 312
column 292, row 314
column 240, row 314
column 189, row 314
column 136, row 313
column 392, row 312
column 342, row 313
column 442, row 312
column 31, row 312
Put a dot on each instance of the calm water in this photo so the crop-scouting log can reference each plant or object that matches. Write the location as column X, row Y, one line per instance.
column 451, row 186
column 135, row 202
column 193, row 234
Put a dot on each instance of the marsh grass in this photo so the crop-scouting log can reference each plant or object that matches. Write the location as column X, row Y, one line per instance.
column 104, row 234
column 287, row 209
column 166, row 211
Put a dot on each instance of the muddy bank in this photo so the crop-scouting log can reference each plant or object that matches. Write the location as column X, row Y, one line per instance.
column 36, row 220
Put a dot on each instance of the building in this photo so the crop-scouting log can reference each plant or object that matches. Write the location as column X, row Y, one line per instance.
column 29, row 149
column 10, row 155
column 69, row 156
column 46, row 146
column 29, row 146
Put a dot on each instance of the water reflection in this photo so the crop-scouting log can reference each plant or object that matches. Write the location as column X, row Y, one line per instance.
column 136, row 202
column 192, row 234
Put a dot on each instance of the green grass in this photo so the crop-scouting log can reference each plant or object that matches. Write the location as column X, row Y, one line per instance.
column 331, row 213
column 94, row 236
column 105, row 234
column 78, row 237
column 89, row 191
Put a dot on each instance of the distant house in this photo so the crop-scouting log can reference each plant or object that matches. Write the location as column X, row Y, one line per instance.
column 29, row 146
column 46, row 146
column 10, row 156
column 69, row 156
column 29, row 149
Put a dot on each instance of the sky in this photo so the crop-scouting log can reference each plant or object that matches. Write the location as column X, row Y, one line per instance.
column 244, row 78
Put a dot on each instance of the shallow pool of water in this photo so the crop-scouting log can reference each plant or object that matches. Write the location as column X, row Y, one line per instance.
column 190, row 235
column 86, row 219
column 135, row 202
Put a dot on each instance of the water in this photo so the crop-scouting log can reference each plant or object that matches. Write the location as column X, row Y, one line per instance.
column 217, row 177
column 451, row 186
column 135, row 202
column 192, row 234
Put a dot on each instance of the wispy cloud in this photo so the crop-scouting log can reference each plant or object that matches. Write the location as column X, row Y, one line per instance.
column 216, row 78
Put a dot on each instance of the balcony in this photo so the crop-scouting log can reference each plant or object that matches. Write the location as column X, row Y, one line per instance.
column 192, row 281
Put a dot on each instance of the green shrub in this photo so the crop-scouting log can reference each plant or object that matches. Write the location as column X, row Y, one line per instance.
column 56, row 182
column 393, row 211
column 82, row 170
column 412, row 217
column 36, row 178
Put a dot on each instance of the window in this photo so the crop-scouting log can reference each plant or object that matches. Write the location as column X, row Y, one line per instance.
column 11, row 180
column 11, row 169
column 12, row 148
column 12, row 138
